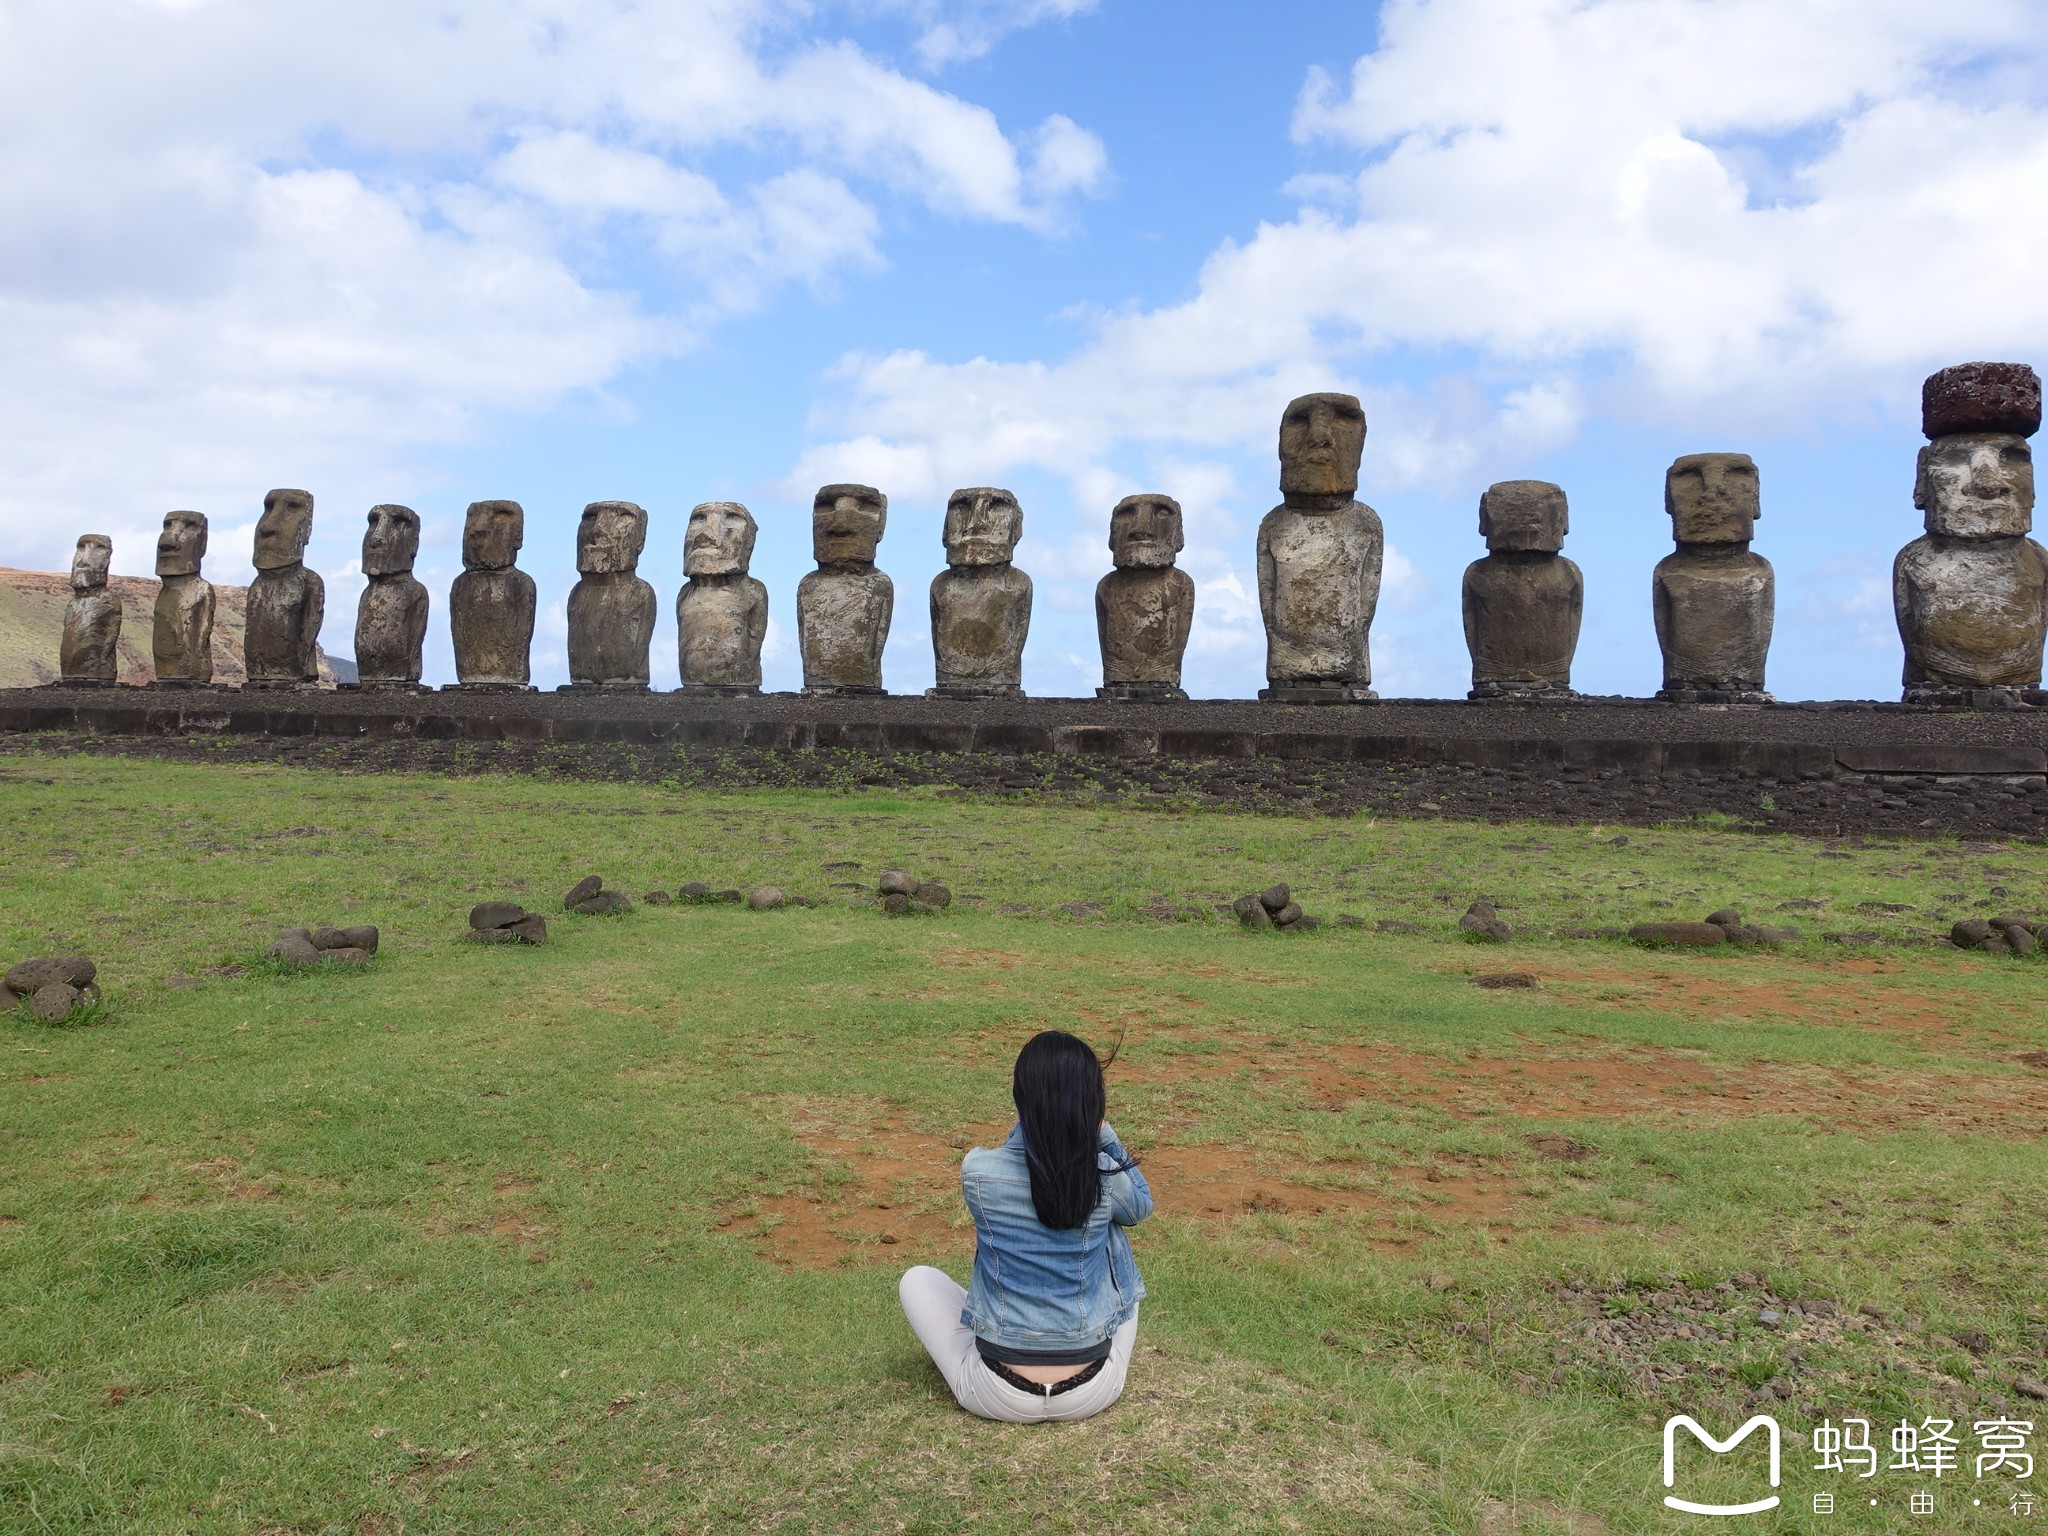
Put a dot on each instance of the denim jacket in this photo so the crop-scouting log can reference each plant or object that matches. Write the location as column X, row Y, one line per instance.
column 1038, row 1288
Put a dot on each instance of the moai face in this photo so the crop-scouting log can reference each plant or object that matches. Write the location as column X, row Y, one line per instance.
column 1524, row 515
column 719, row 540
column 1976, row 485
column 392, row 541
column 1322, row 438
column 182, row 544
column 1713, row 498
column 492, row 532
column 1145, row 532
column 847, row 523
column 983, row 525
column 609, row 538
column 283, row 529
column 89, row 562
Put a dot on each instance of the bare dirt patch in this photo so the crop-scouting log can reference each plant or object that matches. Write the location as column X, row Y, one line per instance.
column 1856, row 993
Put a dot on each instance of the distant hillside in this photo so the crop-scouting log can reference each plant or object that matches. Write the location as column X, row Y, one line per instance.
column 32, row 627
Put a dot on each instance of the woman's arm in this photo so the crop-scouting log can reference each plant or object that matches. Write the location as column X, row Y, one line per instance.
column 1130, row 1197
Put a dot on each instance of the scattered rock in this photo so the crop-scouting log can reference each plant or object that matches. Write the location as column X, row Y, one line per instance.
column 1694, row 935
column 31, row 976
column 1501, row 981
column 347, row 955
column 495, row 914
column 764, row 898
column 897, row 882
column 362, row 936
column 729, row 896
column 695, row 890
column 1252, row 912
column 1438, row 1282
column 581, row 892
column 934, row 896
column 295, row 949
column 1287, row 916
column 1727, row 917
column 2031, row 1386
column 1482, row 923
column 896, row 903
column 603, row 904
column 1275, row 898
column 1969, row 933
column 1081, row 908
column 657, row 899
column 52, row 1003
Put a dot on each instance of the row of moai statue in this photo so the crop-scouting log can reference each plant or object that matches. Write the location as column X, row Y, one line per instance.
column 1971, row 595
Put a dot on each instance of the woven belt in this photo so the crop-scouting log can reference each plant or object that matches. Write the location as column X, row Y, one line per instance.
column 1045, row 1388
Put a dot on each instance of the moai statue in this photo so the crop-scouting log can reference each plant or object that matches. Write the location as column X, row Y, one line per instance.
column 89, row 656
column 281, row 645
column 611, row 610
column 981, row 604
column 1145, row 607
column 182, row 635
column 1714, row 601
column 722, row 612
column 843, row 608
column 1523, row 601
column 1319, row 559
column 491, row 604
column 391, row 618
column 1971, row 595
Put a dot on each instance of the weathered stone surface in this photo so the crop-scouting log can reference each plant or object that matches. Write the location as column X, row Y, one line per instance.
column 327, row 937
column 33, row 975
column 1727, row 917
column 1274, row 897
column 1972, row 613
column 1696, row 935
column 491, row 604
column 764, row 898
column 895, row 902
column 391, row 615
column 843, row 608
column 287, row 602
column 296, row 950
column 530, row 929
column 361, row 936
column 1145, row 608
column 181, row 637
column 1289, row 915
column 582, row 890
column 1976, row 485
column 347, row 955
column 53, row 1004
column 90, row 652
column 1319, row 556
column 611, row 610
column 1252, row 912
column 605, row 904
column 722, row 612
column 657, row 899
column 934, row 895
column 1970, row 932
column 1981, row 397
column 1482, row 921
column 893, row 882
column 495, row 914
column 1713, row 600
column 695, row 890
column 1523, row 601
column 981, row 603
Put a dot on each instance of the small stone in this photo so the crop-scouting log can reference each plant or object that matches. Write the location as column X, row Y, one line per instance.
column 1727, row 917
column 1276, row 897
column 897, row 882
column 1695, row 935
column 362, row 936
column 346, row 956
column 764, row 898
column 2031, row 1386
column 695, row 890
column 1501, row 981
column 1284, row 917
column 296, row 950
column 2021, row 941
column 896, row 903
column 1252, row 912
column 33, row 975
column 1997, row 944
column 936, row 896
column 327, row 937
column 604, row 904
column 530, row 929
column 658, row 899
column 581, row 892
column 1770, row 1317
column 1482, row 922
column 1438, row 1282
column 731, row 896
column 53, row 1002
column 1970, row 932
column 495, row 914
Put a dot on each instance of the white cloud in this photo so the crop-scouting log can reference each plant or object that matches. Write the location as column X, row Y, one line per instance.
column 967, row 29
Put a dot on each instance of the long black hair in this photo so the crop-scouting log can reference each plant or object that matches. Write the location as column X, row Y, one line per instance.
column 1057, row 1086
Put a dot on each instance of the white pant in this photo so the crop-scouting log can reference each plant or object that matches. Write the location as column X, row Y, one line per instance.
column 932, row 1302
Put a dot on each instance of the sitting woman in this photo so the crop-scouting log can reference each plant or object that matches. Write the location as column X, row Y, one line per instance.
column 1046, row 1331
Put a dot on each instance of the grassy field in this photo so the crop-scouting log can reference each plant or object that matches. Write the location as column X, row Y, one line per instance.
column 603, row 1235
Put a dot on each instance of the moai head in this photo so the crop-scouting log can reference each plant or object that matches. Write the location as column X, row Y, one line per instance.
column 89, row 562
column 1976, row 485
column 847, row 523
column 1712, row 498
column 719, row 540
column 609, row 538
column 1524, row 514
column 1322, row 438
column 182, row 544
column 983, row 525
column 392, row 541
column 283, row 529
column 1145, row 532
column 492, row 532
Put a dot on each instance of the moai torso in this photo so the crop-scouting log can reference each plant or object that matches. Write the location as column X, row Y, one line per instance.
column 1971, row 594
column 181, row 634
column 981, row 615
column 843, row 608
column 90, row 651
column 1142, row 618
column 491, row 604
column 391, row 629
column 1319, row 585
column 611, row 610
column 281, row 642
column 720, row 624
column 1523, row 602
column 842, row 623
column 1714, row 606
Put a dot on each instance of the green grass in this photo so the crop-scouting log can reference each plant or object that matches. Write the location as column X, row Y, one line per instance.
column 500, row 1239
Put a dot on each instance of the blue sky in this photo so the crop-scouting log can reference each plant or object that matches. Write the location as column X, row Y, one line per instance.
column 572, row 250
